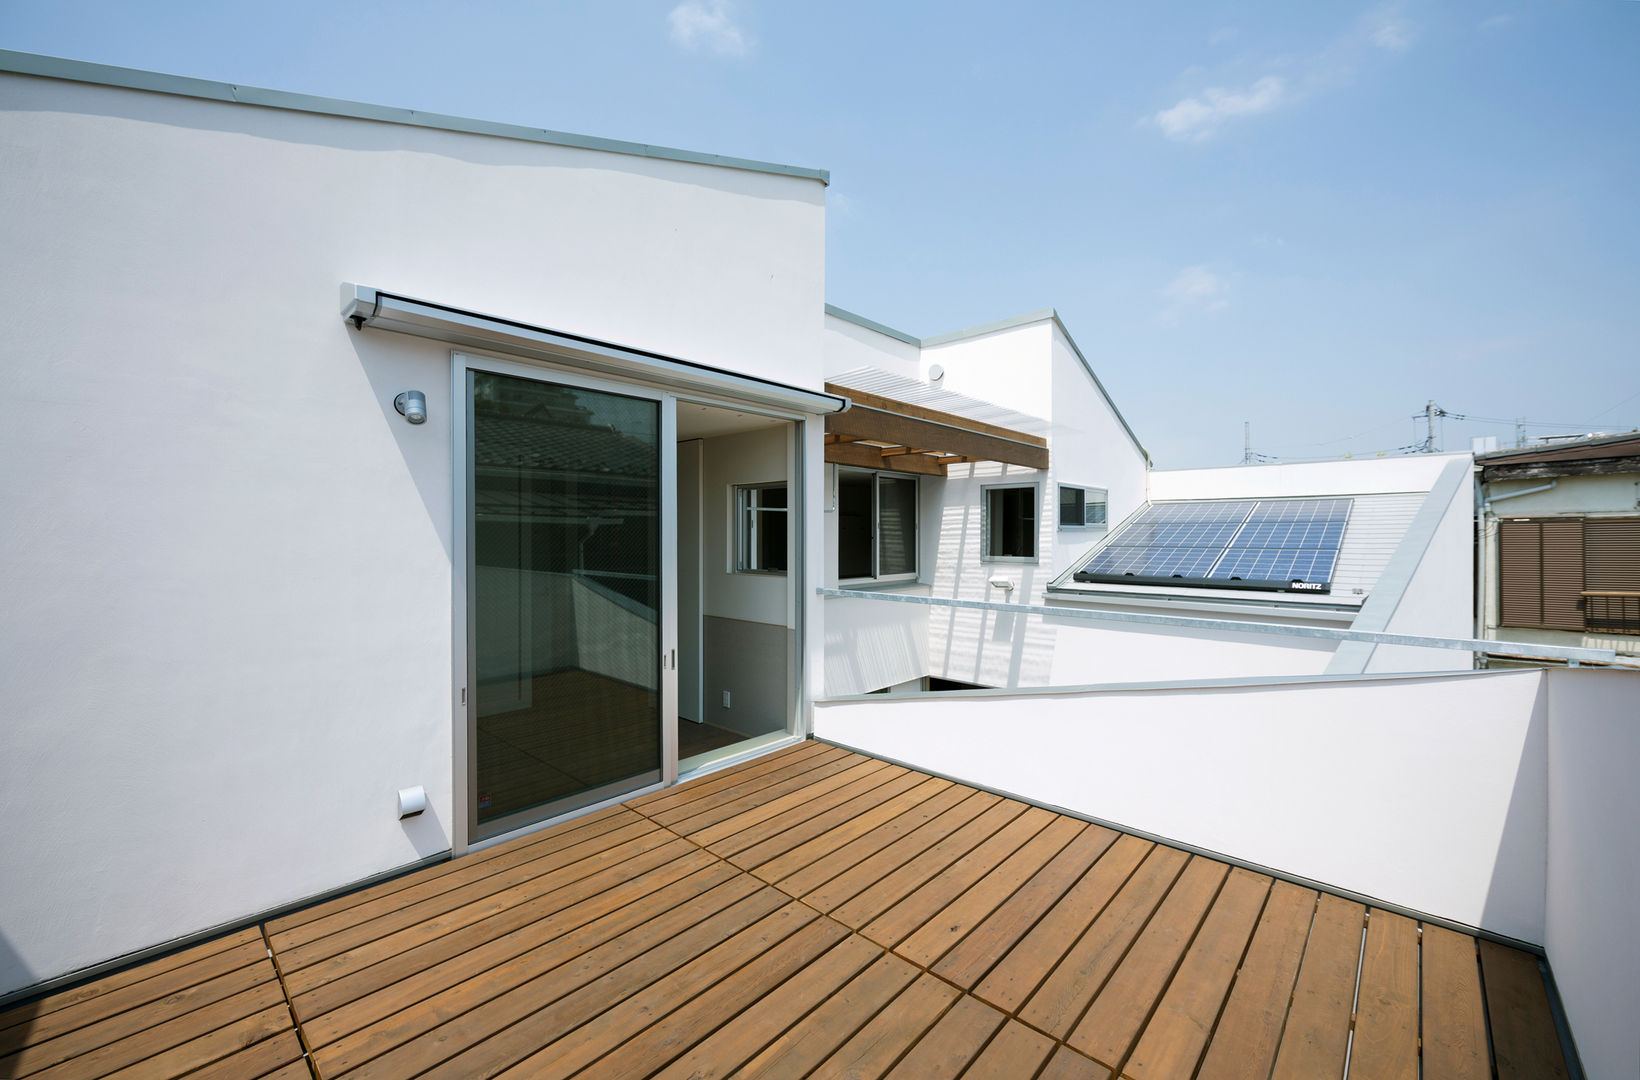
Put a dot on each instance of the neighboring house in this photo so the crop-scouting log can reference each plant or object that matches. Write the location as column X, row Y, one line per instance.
column 1558, row 530
column 575, row 442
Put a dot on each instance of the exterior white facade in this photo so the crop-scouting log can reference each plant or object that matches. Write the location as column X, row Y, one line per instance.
column 236, row 577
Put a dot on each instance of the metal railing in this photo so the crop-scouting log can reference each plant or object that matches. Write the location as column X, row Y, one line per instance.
column 1571, row 655
column 1611, row 612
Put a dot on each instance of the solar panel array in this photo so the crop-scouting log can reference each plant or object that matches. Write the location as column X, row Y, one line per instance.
column 1266, row 544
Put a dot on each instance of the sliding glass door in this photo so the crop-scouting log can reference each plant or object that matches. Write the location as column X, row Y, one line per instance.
column 565, row 598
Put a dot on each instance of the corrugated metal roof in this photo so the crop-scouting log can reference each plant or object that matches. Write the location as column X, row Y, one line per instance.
column 913, row 392
column 1599, row 449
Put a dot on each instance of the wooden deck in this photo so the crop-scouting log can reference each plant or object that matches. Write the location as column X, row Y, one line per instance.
column 823, row 914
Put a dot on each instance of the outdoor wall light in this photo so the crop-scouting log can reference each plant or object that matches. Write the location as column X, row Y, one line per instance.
column 412, row 405
column 1002, row 583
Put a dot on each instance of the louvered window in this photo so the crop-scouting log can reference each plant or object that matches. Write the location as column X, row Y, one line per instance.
column 1540, row 573
column 1611, row 576
column 1570, row 574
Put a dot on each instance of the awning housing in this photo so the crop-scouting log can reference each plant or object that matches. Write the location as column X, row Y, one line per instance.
column 365, row 306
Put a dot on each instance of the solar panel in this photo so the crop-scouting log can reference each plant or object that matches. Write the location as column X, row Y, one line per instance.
column 1289, row 544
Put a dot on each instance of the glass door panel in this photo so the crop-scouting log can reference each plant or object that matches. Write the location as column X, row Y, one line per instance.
column 565, row 589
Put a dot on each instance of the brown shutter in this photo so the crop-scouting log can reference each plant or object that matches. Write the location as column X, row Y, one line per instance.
column 1612, row 549
column 1563, row 575
column 1520, row 573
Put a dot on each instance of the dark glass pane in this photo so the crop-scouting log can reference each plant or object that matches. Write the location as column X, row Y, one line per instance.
column 566, row 592
column 897, row 525
column 771, row 538
column 854, row 534
column 1071, row 506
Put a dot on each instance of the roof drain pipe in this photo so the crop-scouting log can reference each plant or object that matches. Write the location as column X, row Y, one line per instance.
column 1486, row 507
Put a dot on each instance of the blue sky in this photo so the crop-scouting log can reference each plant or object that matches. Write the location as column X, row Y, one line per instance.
column 1313, row 217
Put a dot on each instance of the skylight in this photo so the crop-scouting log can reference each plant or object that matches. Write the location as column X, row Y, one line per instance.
column 1290, row 545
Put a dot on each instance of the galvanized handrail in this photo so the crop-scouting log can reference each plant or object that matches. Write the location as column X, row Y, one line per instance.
column 1572, row 655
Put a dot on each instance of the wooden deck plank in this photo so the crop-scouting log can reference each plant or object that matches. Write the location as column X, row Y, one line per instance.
column 900, row 902
column 1453, row 1012
column 1067, row 1064
column 620, row 1006
column 1177, row 1032
column 32, row 1013
column 970, row 959
column 297, row 927
column 276, row 1057
column 649, row 1029
column 710, row 812
column 1243, row 1046
column 523, row 953
column 372, row 963
column 952, row 1044
column 948, row 926
column 1016, row 1052
column 1012, row 979
column 259, row 1012
column 875, row 1048
column 1386, row 1010
column 754, row 1029
column 1524, row 1041
column 612, row 947
column 902, row 850
column 797, row 875
column 40, row 1054
column 574, row 987
column 1318, row 1025
column 799, row 803
column 817, row 1036
column 799, row 818
column 1083, row 969
column 912, row 912
column 1111, row 1026
column 784, row 759
column 802, row 843
column 549, row 871
column 90, row 1010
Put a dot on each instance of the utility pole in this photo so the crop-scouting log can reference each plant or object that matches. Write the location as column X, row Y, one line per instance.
column 1246, row 442
column 1431, row 411
column 1520, row 432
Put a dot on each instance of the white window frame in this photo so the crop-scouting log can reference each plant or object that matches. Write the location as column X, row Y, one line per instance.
column 985, row 522
column 877, row 577
column 1087, row 497
column 746, row 527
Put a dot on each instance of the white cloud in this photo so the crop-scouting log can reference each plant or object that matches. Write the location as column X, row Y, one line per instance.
column 1223, row 34
column 1197, row 118
column 1392, row 34
column 1497, row 22
column 1195, row 288
column 710, row 25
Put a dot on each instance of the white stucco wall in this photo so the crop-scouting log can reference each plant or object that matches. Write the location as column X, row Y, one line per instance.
column 1439, row 601
column 1427, row 792
column 1594, row 862
column 227, row 640
column 1356, row 476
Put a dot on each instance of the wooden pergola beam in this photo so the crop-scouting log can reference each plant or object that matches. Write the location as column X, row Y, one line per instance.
column 871, row 457
column 863, row 399
column 905, row 431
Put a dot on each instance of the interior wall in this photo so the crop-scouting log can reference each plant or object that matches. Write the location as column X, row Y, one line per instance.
column 1427, row 792
column 749, row 635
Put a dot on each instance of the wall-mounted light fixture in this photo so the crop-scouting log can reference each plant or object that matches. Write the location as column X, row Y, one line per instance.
column 412, row 405
column 1002, row 583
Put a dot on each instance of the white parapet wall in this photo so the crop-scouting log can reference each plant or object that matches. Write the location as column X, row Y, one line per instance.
column 1594, row 863
column 1426, row 792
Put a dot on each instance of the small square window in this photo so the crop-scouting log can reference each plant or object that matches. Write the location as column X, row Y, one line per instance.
column 761, row 544
column 1010, row 522
column 1081, row 508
